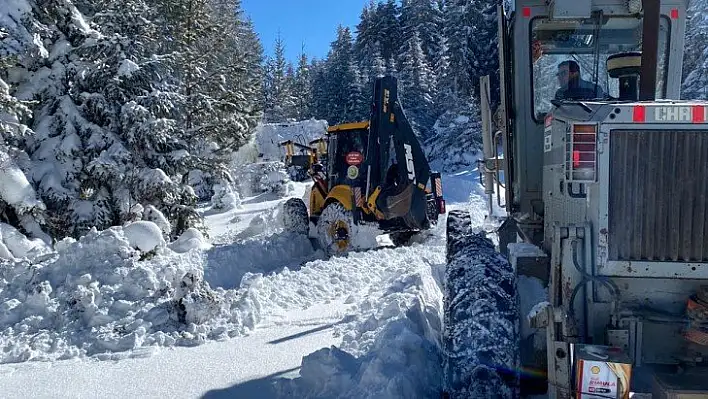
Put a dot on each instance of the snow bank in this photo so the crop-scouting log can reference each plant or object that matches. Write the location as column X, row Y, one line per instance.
column 270, row 134
column 96, row 297
column 111, row 293
column 390, row 343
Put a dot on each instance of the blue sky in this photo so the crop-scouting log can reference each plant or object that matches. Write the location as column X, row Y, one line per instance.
column 313, row 22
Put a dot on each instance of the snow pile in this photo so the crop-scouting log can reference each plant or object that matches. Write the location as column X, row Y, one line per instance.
column 390, row 345
column 97, row 297
column 268, row 136
column 145, row 236
column 189, row 240
column 14, row 245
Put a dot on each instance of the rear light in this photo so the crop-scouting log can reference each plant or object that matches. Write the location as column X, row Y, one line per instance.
column 581, row 157
column 441, row 206
column 639, row 114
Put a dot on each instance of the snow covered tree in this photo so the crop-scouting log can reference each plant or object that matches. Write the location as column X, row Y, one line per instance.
column 695, row 67
column 280, row 100
column 123, row 115
column 343, row 87
column 483, row 39
column 318, row 88
column 302, row 88
column 386, row 24
column 424, row 18
column 19, row 204
column 417, row 93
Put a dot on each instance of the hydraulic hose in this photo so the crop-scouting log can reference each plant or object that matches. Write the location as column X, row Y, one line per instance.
column 612, row 287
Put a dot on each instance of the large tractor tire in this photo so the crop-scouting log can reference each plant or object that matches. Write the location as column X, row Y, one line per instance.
column 481, row 317
column 336, row 230
column 337, row 234
column 295, row 217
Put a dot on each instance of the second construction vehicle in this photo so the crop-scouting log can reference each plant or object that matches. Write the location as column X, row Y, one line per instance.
column 606, row 200
column 376, row 175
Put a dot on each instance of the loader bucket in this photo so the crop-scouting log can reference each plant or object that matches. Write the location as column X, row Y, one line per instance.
column 408, row 203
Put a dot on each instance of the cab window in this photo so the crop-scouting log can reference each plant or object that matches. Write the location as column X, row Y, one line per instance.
column 562, row 49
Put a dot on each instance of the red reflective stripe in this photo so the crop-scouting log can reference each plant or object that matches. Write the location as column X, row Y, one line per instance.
column 527, row 12
column 674, row 13
column 639, row 114
column 699, row 114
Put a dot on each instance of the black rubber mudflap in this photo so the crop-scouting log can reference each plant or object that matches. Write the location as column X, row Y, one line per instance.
column 481, row 331
column 295, row 217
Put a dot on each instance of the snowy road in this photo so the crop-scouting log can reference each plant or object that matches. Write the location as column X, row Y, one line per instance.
column 238, row 368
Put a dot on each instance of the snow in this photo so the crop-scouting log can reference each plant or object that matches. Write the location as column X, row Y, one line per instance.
column 146, row 236
column 189, row 240
column 15, row 189
column 15, row 245
column 532, row 295
column 127, row 68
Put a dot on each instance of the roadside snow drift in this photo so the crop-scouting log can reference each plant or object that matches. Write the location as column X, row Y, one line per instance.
column 124, row 288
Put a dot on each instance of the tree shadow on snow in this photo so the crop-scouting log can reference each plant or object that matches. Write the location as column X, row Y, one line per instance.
column 268, row 387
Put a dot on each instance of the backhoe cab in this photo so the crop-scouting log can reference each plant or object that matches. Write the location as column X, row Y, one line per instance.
column 605, row 173
column 376, row 176
column 299, row 157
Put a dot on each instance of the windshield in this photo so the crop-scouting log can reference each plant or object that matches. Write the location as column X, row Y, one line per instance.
column 585, row 45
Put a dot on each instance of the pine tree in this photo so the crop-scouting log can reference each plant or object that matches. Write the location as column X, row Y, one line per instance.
column 302, row 88
column 19, row 203
column 320, row 105
column 483, row 40
column 279, row 90
column 424, row 18
column 387, row 27
column 417, row 94
column 457, row 19
column 341, row 87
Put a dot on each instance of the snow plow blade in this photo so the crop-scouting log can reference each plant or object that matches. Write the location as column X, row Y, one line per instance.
column 481, row 317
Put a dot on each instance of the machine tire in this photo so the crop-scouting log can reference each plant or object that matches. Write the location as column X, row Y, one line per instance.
column 481, row 317
column 295, row 216
column 335, row 217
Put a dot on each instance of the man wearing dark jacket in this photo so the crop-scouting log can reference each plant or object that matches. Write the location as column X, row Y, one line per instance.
column 572, row 86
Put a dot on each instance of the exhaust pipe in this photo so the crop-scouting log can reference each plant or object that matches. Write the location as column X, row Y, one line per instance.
column 650, row 49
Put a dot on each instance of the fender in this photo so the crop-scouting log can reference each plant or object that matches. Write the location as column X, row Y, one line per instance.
column 342, row 194
column 317, row 201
